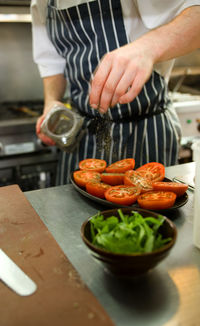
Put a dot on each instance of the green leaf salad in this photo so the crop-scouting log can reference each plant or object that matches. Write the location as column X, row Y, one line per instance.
column 127, row 234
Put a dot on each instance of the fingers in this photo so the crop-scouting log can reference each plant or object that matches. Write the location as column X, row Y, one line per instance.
column 98, row 82
column 108, row 92
column 133, row 90
column 38, row 124
column 120, row 77
column 46, row 140
column 106, row 79
column 123, row 86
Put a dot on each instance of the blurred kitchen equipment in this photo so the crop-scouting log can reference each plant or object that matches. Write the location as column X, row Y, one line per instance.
column 187, row 107
column 14, row 277
column 196, row 221
column 24, row 160
column 63, row 124
column 188, row 110
column 185, row 96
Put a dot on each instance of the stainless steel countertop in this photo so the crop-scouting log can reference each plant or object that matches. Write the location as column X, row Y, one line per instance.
column 169, row 295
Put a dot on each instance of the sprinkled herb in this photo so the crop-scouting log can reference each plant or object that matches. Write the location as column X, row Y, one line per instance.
column 103, row 136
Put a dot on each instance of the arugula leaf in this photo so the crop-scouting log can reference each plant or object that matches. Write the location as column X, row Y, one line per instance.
column 127, row 234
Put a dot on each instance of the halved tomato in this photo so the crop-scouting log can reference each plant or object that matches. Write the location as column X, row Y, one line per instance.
column 178, row 188
column 81, row 177
column 153, row 170
column 97, row 188
column 121, row 166
column 93, row 164
column 156, row 200
column 112, row 179
column 122, row 195
column 134, row 178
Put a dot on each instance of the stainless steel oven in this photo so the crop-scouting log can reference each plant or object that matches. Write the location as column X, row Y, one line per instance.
column 187, row 107
column 24, row 160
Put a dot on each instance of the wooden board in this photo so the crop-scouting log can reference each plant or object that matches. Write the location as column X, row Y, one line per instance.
column 61, row 297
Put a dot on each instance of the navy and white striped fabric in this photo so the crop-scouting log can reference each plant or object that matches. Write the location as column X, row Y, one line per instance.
column 146, row 129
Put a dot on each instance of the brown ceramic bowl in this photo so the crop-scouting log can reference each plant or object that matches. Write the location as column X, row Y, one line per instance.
column 136, row 263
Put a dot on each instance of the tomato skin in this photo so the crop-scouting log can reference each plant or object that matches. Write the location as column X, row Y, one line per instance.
column 135, row 178
column 153, row 170
column 156, row 200
column 122, row 194
column 121, row 166
column 93, row 164
column 81, row 177
column 113, row 179
column 178, row 188
column 97, row 189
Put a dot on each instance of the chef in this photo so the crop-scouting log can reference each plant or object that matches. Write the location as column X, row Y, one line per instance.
column 115, row 58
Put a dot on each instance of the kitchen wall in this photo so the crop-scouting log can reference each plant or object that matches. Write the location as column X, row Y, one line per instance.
column 19, row 76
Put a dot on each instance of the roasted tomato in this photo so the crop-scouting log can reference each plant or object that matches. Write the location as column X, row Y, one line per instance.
column 135, row 178
column 82, row 177
column 154, row 171
column 97, row 188
column 121, row 166
column 178, row 188
column 113, row 179
column 156, row 200
column 92, row 164
column 122, row 195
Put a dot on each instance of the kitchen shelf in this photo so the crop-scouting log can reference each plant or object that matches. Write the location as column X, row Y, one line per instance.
column 15, row 14
column 15, row 18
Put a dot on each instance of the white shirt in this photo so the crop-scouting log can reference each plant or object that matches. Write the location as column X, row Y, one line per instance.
column 140, row 16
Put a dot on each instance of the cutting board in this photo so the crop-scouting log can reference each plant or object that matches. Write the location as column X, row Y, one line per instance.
column 61, row 297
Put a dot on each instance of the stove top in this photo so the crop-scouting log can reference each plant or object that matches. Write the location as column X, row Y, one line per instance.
column 20, row 110
column 19, row 117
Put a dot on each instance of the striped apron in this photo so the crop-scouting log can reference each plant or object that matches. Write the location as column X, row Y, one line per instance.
column 146, row 129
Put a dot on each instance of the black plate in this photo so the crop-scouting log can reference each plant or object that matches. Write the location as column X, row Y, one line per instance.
column 180, row 201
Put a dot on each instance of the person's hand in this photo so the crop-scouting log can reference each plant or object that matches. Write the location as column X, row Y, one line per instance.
column 120, row 76
column 45, row 139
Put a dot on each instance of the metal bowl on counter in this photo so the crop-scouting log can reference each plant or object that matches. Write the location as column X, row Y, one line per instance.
column 130, row 263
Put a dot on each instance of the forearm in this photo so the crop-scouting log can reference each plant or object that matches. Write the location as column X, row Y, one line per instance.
column 54, row 89
column 177, row 38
